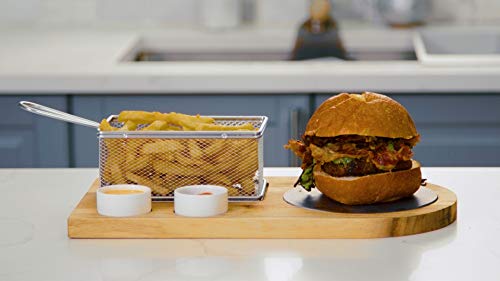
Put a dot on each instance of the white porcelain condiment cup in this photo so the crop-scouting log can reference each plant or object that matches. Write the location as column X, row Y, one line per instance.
column 123, row 204
column 200, row 200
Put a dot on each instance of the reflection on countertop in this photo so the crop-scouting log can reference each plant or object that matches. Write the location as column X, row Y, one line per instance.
column 265, row 259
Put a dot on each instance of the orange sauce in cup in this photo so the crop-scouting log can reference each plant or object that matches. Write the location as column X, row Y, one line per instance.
column 122, row 191
column 205, row 193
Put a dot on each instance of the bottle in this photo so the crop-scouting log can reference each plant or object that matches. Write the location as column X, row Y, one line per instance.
column 318, row 36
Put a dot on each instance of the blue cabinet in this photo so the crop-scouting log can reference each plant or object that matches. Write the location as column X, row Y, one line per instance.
column 28, row 140
column 287, row 116
column 456, row 130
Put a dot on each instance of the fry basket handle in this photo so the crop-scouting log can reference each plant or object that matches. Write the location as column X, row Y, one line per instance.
column 56, row 114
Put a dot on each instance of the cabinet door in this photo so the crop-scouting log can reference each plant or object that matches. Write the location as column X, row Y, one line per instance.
column 456, row 130
column 286, row 117
column 28, row 140
column 17, row 148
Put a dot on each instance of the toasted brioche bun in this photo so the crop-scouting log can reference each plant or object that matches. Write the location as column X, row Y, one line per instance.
column 368, row 114
column 369, row 189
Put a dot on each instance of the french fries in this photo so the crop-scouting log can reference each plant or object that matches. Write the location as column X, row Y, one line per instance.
column 213, row 127
column 165, row 164
column 128, row 126
column 162, row 146
column 112, row 171
column 105, row 126
column 140, row 117
column 156, row 125
column 156, row 121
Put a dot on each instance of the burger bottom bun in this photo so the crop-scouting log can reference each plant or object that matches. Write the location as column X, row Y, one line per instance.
column 369, row 189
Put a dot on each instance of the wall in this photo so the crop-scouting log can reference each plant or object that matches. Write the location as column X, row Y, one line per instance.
column 185, row 12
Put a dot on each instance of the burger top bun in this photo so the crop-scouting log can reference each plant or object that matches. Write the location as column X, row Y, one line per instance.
column 366, row 114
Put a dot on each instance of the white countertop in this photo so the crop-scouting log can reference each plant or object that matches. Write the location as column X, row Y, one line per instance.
column 87, row 61
column 33, row 243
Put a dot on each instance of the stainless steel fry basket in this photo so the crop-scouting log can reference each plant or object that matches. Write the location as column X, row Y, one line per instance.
column 166, row 160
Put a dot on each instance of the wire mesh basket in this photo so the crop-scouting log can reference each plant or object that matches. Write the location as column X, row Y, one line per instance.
column 166, row 160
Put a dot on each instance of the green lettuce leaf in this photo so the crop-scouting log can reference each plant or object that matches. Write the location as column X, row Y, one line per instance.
column 306, row 179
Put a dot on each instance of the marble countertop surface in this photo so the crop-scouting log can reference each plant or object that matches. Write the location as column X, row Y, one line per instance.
column 90, row 61
column 35, row 204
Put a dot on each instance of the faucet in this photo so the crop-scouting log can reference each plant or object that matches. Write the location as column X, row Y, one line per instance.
column 318, row 36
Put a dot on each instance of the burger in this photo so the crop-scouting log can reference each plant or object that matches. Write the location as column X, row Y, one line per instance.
column 357, row 149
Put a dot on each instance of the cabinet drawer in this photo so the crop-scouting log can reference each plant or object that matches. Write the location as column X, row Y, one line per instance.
column 11, row 114
column 17, row 148
column 452, row 109
column 28, row 140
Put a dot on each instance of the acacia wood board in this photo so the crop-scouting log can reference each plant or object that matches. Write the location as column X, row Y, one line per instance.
column 270, row 218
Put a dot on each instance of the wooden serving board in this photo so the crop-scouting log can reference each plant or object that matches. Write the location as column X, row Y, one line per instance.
column 270, row 218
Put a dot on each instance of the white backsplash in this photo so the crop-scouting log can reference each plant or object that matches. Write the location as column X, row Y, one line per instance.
column 146, row 11
column 20, row 12
column 185, row 12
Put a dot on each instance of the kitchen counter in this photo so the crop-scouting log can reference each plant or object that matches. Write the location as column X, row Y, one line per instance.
column 78, row 61
column 34, row 246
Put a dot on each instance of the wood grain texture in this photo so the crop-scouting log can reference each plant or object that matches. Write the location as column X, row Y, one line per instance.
column 270, row 218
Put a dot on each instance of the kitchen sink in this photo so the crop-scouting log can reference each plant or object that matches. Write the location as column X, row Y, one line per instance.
column 445, row 46
column 157, row 49
column 476, row 46
column 145, row 55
